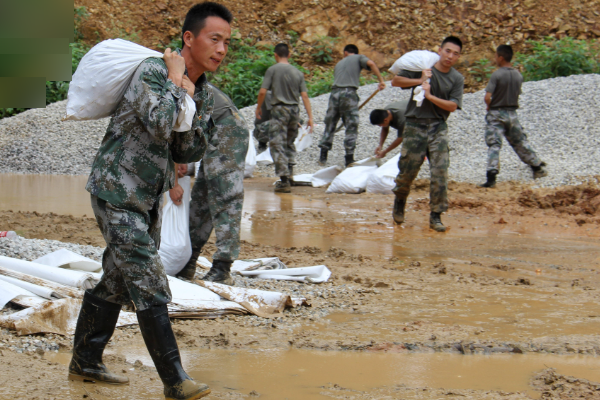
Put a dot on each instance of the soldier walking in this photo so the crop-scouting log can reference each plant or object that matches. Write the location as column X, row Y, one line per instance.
column 218, row 193
column 426, row 132
column 287, row 84
column 393, row 115
column 502, row 99
column 343, row 101
column 133, row 167
column 261, row 125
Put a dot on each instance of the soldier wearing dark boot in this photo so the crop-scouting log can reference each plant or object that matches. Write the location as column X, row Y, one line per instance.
column 426, row 132
column 134, row 166
column 218, row 192
column 391, row 116
column 343, row 101
column 287, row 85
column 502, row 100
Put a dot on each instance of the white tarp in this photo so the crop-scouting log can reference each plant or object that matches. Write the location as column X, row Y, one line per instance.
column 79, row 279
column 316, row 274
column 38, row 290
column 383, row 179
column 8, row 292
column 64, row 258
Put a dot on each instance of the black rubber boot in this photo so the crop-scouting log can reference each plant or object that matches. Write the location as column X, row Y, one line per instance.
column 398, row 213
column 291, row 176
column 220, row 273
column 349, row 159
column 162, row 346
column 323, row 157
column 491, row 180
column 539, row 171
column 95, row 326
column 435, row 222
column 283, row 186
column 189, row 271
column 262, row 146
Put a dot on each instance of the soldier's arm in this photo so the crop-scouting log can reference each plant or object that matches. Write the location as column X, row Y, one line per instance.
column 262, row 93
column 376, row 71
column 382, row 136
column 488, row 100
column 308, row 108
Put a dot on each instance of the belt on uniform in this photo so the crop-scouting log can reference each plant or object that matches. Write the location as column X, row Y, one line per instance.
column 513, row 108
column 283, row 104
column 424, row 121
column 342, row 88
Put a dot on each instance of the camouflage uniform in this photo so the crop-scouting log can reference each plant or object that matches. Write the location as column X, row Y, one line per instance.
column 261, row 126
column 343, row 102
column 505, row 122
column 218, row 192
column 425, row 138
column 283, row 130
column 133, row 168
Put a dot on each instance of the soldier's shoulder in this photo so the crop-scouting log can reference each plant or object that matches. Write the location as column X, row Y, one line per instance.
column 153, row 66
column 456, row 76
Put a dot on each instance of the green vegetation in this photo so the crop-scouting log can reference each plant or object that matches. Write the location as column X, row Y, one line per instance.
column 551, row 58
column 482, row 70
column 323, row 49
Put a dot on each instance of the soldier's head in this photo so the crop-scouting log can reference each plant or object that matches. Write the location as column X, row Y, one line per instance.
column 350, row 49
column 504, row 54
column 382, row 118
column 282, row 52
column 450, row 51
column 205, row 36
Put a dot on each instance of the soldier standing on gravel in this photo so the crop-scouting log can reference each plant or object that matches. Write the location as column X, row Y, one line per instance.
column 261, row 125
column 218, row 192
column 343, row 101
column 287, row 84
column 133, row 167
column 426, row 133
column 392, row 115
column 502, row 99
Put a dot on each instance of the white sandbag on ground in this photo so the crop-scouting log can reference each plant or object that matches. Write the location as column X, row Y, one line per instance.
column 325, row 176
column 176, row 246
column 383, row 179
column 351, row 180
column 316, row 274
column 250, row 163
column 264, row 158
column 78, row 279
column 64, row 258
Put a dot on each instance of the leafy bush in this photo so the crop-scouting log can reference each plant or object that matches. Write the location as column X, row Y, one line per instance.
column 482, row 70
column 550, row 58
column 319, row 83
column 323, row 49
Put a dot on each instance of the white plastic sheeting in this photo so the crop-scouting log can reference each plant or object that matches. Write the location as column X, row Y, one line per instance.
column 8, row 292
column 382, row 180
column 316, row 274
column 38, row 290
column 64, row 258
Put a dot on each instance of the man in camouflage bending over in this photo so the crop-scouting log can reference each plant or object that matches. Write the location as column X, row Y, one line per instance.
column 218, row 192
column 133, row 167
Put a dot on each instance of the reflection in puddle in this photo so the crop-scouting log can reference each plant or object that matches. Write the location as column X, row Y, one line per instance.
column 299, row 374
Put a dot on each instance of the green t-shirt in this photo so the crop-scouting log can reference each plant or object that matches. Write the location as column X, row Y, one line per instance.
column 505, row 87
column 398, row 110
column 347, row 71
column 223, row 105
column 446, row 86
column 286, row 82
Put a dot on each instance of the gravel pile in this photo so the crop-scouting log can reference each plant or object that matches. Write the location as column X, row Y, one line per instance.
column 559, row 115
column 31, row 249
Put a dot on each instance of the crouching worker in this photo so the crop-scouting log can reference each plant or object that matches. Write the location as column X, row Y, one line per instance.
column 133, row 168
column 391, row 116
column 218, row 192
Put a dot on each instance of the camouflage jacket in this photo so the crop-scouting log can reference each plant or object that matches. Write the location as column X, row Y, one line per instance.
column 134, row 164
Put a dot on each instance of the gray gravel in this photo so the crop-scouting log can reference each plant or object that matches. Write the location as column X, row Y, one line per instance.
column 559, row 115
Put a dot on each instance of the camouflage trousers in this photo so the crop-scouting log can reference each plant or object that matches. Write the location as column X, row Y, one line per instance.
column 283, row 131
column 425, row 138
column 218, row 192
column 503, row 122
column 261, row 131
column 343, row 103
column 133, row 271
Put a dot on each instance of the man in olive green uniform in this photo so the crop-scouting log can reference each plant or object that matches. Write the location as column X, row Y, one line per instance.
column 391, row 116
column 502, row 100
column 287, row 85
column 261, row 125
column 426, row 132
column 133, row 167
column 218, row 193
column 343, row 101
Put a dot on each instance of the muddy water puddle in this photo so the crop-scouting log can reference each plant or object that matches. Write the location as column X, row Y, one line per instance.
column 301, row 374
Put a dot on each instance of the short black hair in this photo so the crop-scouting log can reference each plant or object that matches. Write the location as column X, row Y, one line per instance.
column 196, row 17
column 351, row 48
column 377, row 116
column 453, row 40
column 505, row 51
column 282, row 50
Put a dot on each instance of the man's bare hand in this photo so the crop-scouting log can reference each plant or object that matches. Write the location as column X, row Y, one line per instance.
column 426, row 87
column 175, row 65
column 188, row 85
column 311, row 125
column 258, row 113
column 381, row 86
column 176, row 194
column 182, row 169
column 426, row 74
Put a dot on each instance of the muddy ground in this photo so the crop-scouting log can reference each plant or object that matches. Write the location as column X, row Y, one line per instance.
column 517, row 272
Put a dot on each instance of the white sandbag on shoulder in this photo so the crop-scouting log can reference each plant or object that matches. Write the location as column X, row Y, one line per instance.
column 264, row 158
column 383, row 179
column 325, row 176
column 250, row 163
column 416, row 60
column 351, row 180
column 64, row 258
column 175, row 245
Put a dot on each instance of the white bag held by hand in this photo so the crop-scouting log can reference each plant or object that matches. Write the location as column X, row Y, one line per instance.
column 175, row 244
column 351, row 180
column 264, row 158
column 303, row 140
column 102, row 77
column 416, row 60
column 250, row 157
